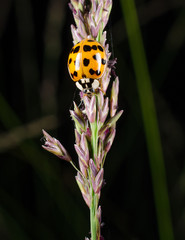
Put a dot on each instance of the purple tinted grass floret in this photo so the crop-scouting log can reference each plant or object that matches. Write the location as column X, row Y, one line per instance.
column 95, row 121
column 54, row 146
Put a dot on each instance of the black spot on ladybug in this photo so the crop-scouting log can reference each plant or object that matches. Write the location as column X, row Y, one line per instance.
column 87, row 48
column 91, row 71
column 76, row 49
column 72, row 50
column 94, row 47
column 70, row 60
column 75, row 73
column 103, row 61
column 77, row 63
column 90, row 40
column 86, row 62
column 98, row 72
column 100, row 48
column 95, row 57
column 83, row 76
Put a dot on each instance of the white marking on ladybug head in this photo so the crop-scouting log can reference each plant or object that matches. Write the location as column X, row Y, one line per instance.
column 85, row 80
column 82, row 80
column 79, row 86
column 95, row 84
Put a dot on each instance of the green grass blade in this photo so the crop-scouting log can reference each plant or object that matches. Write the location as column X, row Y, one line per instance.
column 149, row 120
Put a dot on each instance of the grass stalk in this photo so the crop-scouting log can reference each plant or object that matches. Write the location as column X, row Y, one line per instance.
column 150, row 122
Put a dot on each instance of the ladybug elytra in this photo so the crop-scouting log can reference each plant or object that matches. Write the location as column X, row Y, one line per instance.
column 86, row 64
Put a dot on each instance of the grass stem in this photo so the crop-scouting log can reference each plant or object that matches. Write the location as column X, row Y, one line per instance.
column 149, row 120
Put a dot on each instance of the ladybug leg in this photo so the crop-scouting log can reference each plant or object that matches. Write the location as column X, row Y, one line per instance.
column 102, row 91
column 111, row 65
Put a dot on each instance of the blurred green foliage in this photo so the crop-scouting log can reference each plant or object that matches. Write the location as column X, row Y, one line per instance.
column 39, row 198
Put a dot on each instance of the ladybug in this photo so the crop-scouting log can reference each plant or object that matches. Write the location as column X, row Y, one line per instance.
column 86, row 64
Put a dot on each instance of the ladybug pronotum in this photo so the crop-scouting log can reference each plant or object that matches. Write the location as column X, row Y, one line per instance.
column 86, row 64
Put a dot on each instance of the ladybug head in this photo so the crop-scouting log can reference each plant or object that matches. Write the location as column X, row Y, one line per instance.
column 88, row 85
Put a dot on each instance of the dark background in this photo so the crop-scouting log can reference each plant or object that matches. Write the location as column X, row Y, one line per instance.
column 39, row 198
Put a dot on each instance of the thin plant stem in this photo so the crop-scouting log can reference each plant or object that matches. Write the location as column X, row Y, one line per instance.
column 149, row 120
column 74, row 166
column 94, row 202
column 94, row 128
column 93, row 216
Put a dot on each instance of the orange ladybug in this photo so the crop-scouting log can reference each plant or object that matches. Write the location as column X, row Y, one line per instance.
column 86, row 64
